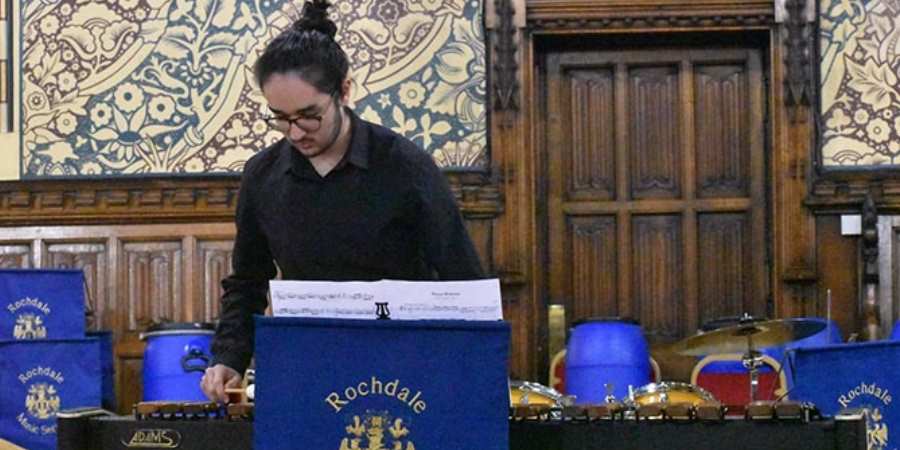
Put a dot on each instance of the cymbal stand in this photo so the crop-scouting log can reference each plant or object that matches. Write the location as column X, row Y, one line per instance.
column 752, row 361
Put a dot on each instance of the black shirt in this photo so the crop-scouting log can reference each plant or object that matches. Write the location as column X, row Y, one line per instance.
column 384, row 212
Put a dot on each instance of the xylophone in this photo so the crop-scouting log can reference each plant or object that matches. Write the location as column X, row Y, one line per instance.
column 531, row 427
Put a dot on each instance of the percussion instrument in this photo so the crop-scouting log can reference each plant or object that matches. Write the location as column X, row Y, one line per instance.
column 670, row 393
column 670, row 400
column 174, row 360
column 98, row 430
column 605, row 353
column 530, row 393
column 749, row 335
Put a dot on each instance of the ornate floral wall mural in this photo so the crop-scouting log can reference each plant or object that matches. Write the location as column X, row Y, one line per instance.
column 164, row 87
column 860, row 95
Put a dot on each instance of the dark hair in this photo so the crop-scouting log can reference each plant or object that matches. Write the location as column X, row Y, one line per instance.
column 307, row 49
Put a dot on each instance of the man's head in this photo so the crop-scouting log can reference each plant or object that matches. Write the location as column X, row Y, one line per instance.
column 303, row 76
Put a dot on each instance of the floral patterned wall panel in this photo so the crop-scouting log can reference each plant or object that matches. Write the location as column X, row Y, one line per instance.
column 164, row 87
column 860, row 81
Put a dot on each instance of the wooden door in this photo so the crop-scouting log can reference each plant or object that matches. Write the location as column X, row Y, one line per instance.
column 655, row 185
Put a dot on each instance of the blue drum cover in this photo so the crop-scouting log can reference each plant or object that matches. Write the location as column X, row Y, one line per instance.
column 40, row 378
column 341, row 384
column 41, row 304
column 174, row 364
column 853, row 375
column 603, row 352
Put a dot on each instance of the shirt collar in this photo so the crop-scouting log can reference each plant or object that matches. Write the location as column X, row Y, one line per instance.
column 290, row 160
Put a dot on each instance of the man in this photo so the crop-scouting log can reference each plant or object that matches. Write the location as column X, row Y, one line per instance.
column 338, row 198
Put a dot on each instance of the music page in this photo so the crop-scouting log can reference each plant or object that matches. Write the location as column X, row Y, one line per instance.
column 402, row 300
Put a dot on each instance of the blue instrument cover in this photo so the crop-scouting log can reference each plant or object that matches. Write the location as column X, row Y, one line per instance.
column 342, row 384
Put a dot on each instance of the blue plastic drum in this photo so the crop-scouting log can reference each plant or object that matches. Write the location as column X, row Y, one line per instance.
column 895, row 333
column 176, row 356
column 606, row 351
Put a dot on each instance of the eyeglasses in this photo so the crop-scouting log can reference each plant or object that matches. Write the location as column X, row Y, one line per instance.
column 307, row 123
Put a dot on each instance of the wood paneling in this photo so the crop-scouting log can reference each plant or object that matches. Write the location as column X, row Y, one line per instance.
column 838, row 270
column 213, row 262
column 658, row 265
column 653, row 132
column 15, row 256
column 593, row 162
column 725, row 272
column 721, row 117
column 152, row 283
column 593, row 262
column 92, row 258
column 688, row 175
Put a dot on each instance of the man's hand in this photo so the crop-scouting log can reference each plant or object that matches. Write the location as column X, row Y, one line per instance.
column 216, row 379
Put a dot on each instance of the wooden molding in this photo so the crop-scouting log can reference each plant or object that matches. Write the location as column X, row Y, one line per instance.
column 798, row 63
column 648, row 14
column 506, row 69
column 117, row 201
column 169, row 201
column 847, row 194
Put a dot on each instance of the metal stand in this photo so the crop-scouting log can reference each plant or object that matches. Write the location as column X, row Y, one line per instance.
column 752, row 360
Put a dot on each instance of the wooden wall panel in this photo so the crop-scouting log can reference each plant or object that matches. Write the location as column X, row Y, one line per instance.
column 658, row 267
column 15, row 255
column 213, row 261
column 654, row 132
column 723, row 272
column 92, row 258
column 152, row 283
column 593, row 120
column 482, row 233
column 594, row 260
column 720, row 116
column 839, row 270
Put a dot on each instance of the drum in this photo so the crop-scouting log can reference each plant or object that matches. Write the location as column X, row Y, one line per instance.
column 895, row 333
column 670, row 392
column 603, row 352
column 530, row 393
column 175, row 358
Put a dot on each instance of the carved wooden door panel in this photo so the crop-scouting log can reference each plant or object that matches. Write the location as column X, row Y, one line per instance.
column 655, row 185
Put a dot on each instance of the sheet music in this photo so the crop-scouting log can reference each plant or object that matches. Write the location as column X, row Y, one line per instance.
column 404, row 300
column 325, row 299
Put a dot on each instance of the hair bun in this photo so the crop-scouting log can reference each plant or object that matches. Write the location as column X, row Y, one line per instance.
column 314, row 16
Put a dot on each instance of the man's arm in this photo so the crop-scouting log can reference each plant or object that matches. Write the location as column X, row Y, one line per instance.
column 448, row 247
column 245, row 289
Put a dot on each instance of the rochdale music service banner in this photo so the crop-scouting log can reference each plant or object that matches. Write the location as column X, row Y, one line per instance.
column 854, row 375
column 381, row 384
column 41, row 304
column 38, row 378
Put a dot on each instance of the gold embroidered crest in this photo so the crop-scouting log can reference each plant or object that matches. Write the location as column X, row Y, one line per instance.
column 29, row 326
column 42, row 400
column 876, row 431
column 377, row 431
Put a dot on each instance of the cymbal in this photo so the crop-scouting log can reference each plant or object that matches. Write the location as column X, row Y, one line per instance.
column 734, row 339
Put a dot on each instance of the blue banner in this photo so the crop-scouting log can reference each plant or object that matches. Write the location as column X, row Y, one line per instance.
column 861, row 375
column 39, row 378
column 41, row 304
column 381, row 384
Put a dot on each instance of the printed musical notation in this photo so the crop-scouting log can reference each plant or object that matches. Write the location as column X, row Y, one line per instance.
column 405, row 300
